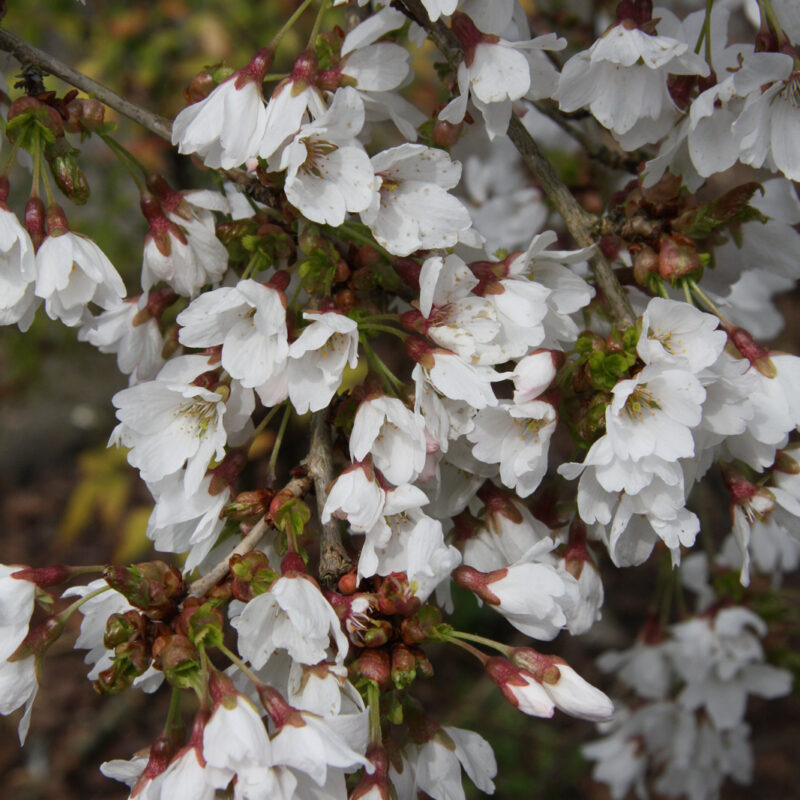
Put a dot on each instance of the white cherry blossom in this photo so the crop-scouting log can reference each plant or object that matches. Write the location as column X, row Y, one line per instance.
column 412, row 209
column 249, row 321
column 393, row 435
column 226, row 128
column 328, row 172
column 317, row 359
column 294, row 616
column 17, row 272
column 71, row 271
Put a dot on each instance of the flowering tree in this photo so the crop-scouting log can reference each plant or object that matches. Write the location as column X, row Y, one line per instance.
column 487, row 401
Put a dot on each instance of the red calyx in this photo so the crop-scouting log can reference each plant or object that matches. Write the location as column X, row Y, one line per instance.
column 56, row 220
column 228, row 470
column 161, row 753
column 739, row 487
column 305, row 67
column 293, row 562
column 257, row 68
column 279, row 281
column 44, row 576
column 469, row 35
column 34, row 220
column 478, row 582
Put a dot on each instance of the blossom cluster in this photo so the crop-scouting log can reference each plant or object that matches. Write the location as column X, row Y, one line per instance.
column 487, row 405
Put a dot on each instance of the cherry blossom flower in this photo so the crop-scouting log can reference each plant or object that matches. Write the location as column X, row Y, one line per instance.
column 622, row 79
column 437, row 764
column 249, row 321
column 17, row 272
column 235, row 740
column 71, row 271
column 516, row 436
column 412, row 209
column 393, row 435
column 357, row 497
column 177, row 254
column 226, row 128
column 328, row 172
column 18, row 681
column 169, row 422
column 294, row 616
column 496, row 72
column 131, row 331
column 291, row 101
column 317, row 359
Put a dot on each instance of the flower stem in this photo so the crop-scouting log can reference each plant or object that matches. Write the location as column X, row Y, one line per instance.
column 174, row 727
column 372, row 326
column 11, row 155
column 707, row 301
column 705, row 34
column 273, row 458
column 251, row 676
column 323, row 7
column 374, row 704
column 264, row 422
column 390, row 381
column 289, row 24
column 351, row 231
column 482, row 657
column 131, row 164
column 71, row 609
column 473, row 637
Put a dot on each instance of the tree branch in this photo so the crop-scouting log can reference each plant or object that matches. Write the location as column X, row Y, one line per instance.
column 28, row 54
column 595, row 150
column 334, row 560
column 580, row 223
column 296, row 486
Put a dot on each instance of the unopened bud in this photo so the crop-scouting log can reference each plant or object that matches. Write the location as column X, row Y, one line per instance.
column 419, row 627
column 395, row 596
column 179, row 660
column 39, row 638
column 248, row 504
column 153, row 586
column 645, row 262
column 445, row 134
column 121, row 628
column 84, row 114
column 404, row 666
column 373, row 665
column 677, row 257
column 69, row 177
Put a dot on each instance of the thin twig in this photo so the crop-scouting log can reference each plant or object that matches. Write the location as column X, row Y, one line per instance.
column 580, row 223
column 28, row 54
column 333, row 558
column 296, row 486
column 199, row 587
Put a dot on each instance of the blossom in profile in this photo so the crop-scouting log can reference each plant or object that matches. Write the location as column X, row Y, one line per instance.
column 226, row 128
column 72, row 271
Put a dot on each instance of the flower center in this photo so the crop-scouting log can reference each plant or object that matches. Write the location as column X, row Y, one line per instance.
column 317, row 151
column 197, row 415
column 641, row 404
column 791, row 92
column 529, row 427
